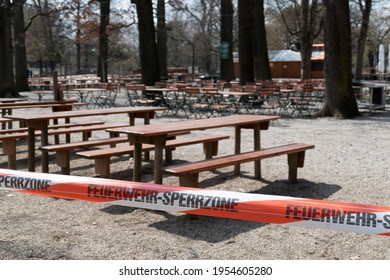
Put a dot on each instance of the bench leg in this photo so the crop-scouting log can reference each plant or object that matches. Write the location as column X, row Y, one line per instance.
column 168, row 155
column 113, row 135
column 86, row 135
column 63, row 160
column 190, row 180
column 210, row 149
column 102, row 167
column 294, row 161
column 56, row 137
column 9, row 149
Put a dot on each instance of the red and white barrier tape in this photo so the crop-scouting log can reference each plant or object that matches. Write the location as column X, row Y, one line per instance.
column 359, row 218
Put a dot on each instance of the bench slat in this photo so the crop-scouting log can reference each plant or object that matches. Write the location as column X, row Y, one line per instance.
column 65, row 125
column 102, row 156
column 82, row 144
column 215, row 163
column 188, row 172
column 57, row 131
column 171, row 144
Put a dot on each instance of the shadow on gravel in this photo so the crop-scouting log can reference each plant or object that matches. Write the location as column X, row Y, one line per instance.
column 208, row 229
column 117, row 210
column 303, row 189
column 18, row 250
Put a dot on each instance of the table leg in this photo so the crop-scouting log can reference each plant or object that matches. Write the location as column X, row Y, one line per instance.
column 137, row 176
column 257, row 147
column 56, row 137
column 147, row 121
column 68, row 136
column 45, row 154
column 237, row 147
column 158, row 162
column 31, row 149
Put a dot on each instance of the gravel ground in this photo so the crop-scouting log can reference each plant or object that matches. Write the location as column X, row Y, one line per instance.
column 350, row 163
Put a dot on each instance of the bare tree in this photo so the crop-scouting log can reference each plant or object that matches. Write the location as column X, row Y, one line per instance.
column 200, row 24
column 379, row 30
column 365, row 7
column 309, row 25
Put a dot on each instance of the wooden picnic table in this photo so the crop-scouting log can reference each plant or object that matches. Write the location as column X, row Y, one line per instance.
column 157, row 134
column 65, row 105
column 8, row 109
column 41, row 122
column 24, row 102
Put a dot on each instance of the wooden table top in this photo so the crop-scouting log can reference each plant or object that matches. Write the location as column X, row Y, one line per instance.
column 12, row 100
column 199, row 124
column 85, row 113
column 24, row 103
column 29, row 106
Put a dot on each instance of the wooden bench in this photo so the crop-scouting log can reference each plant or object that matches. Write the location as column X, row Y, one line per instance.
column 102, row 156
column 5, row 121
column 9, row 140
column 54, row 126
column 63, row 150
column 188, row 173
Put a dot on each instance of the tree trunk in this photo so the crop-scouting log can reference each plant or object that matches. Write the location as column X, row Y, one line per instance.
column 103, row 40
column 262, row 68
column 147, row 43
column 245, row 38
column 306, row 51
column 162, row 39
column 340, row 101
column 7, row 84
column 226, row 59
column 306, row 41
column 366, row 11
column 50, row 45
column 21, row 70
column 78, row 37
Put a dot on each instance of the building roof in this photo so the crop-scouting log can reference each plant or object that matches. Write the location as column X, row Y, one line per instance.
column 284, row 55
column 289, row 55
